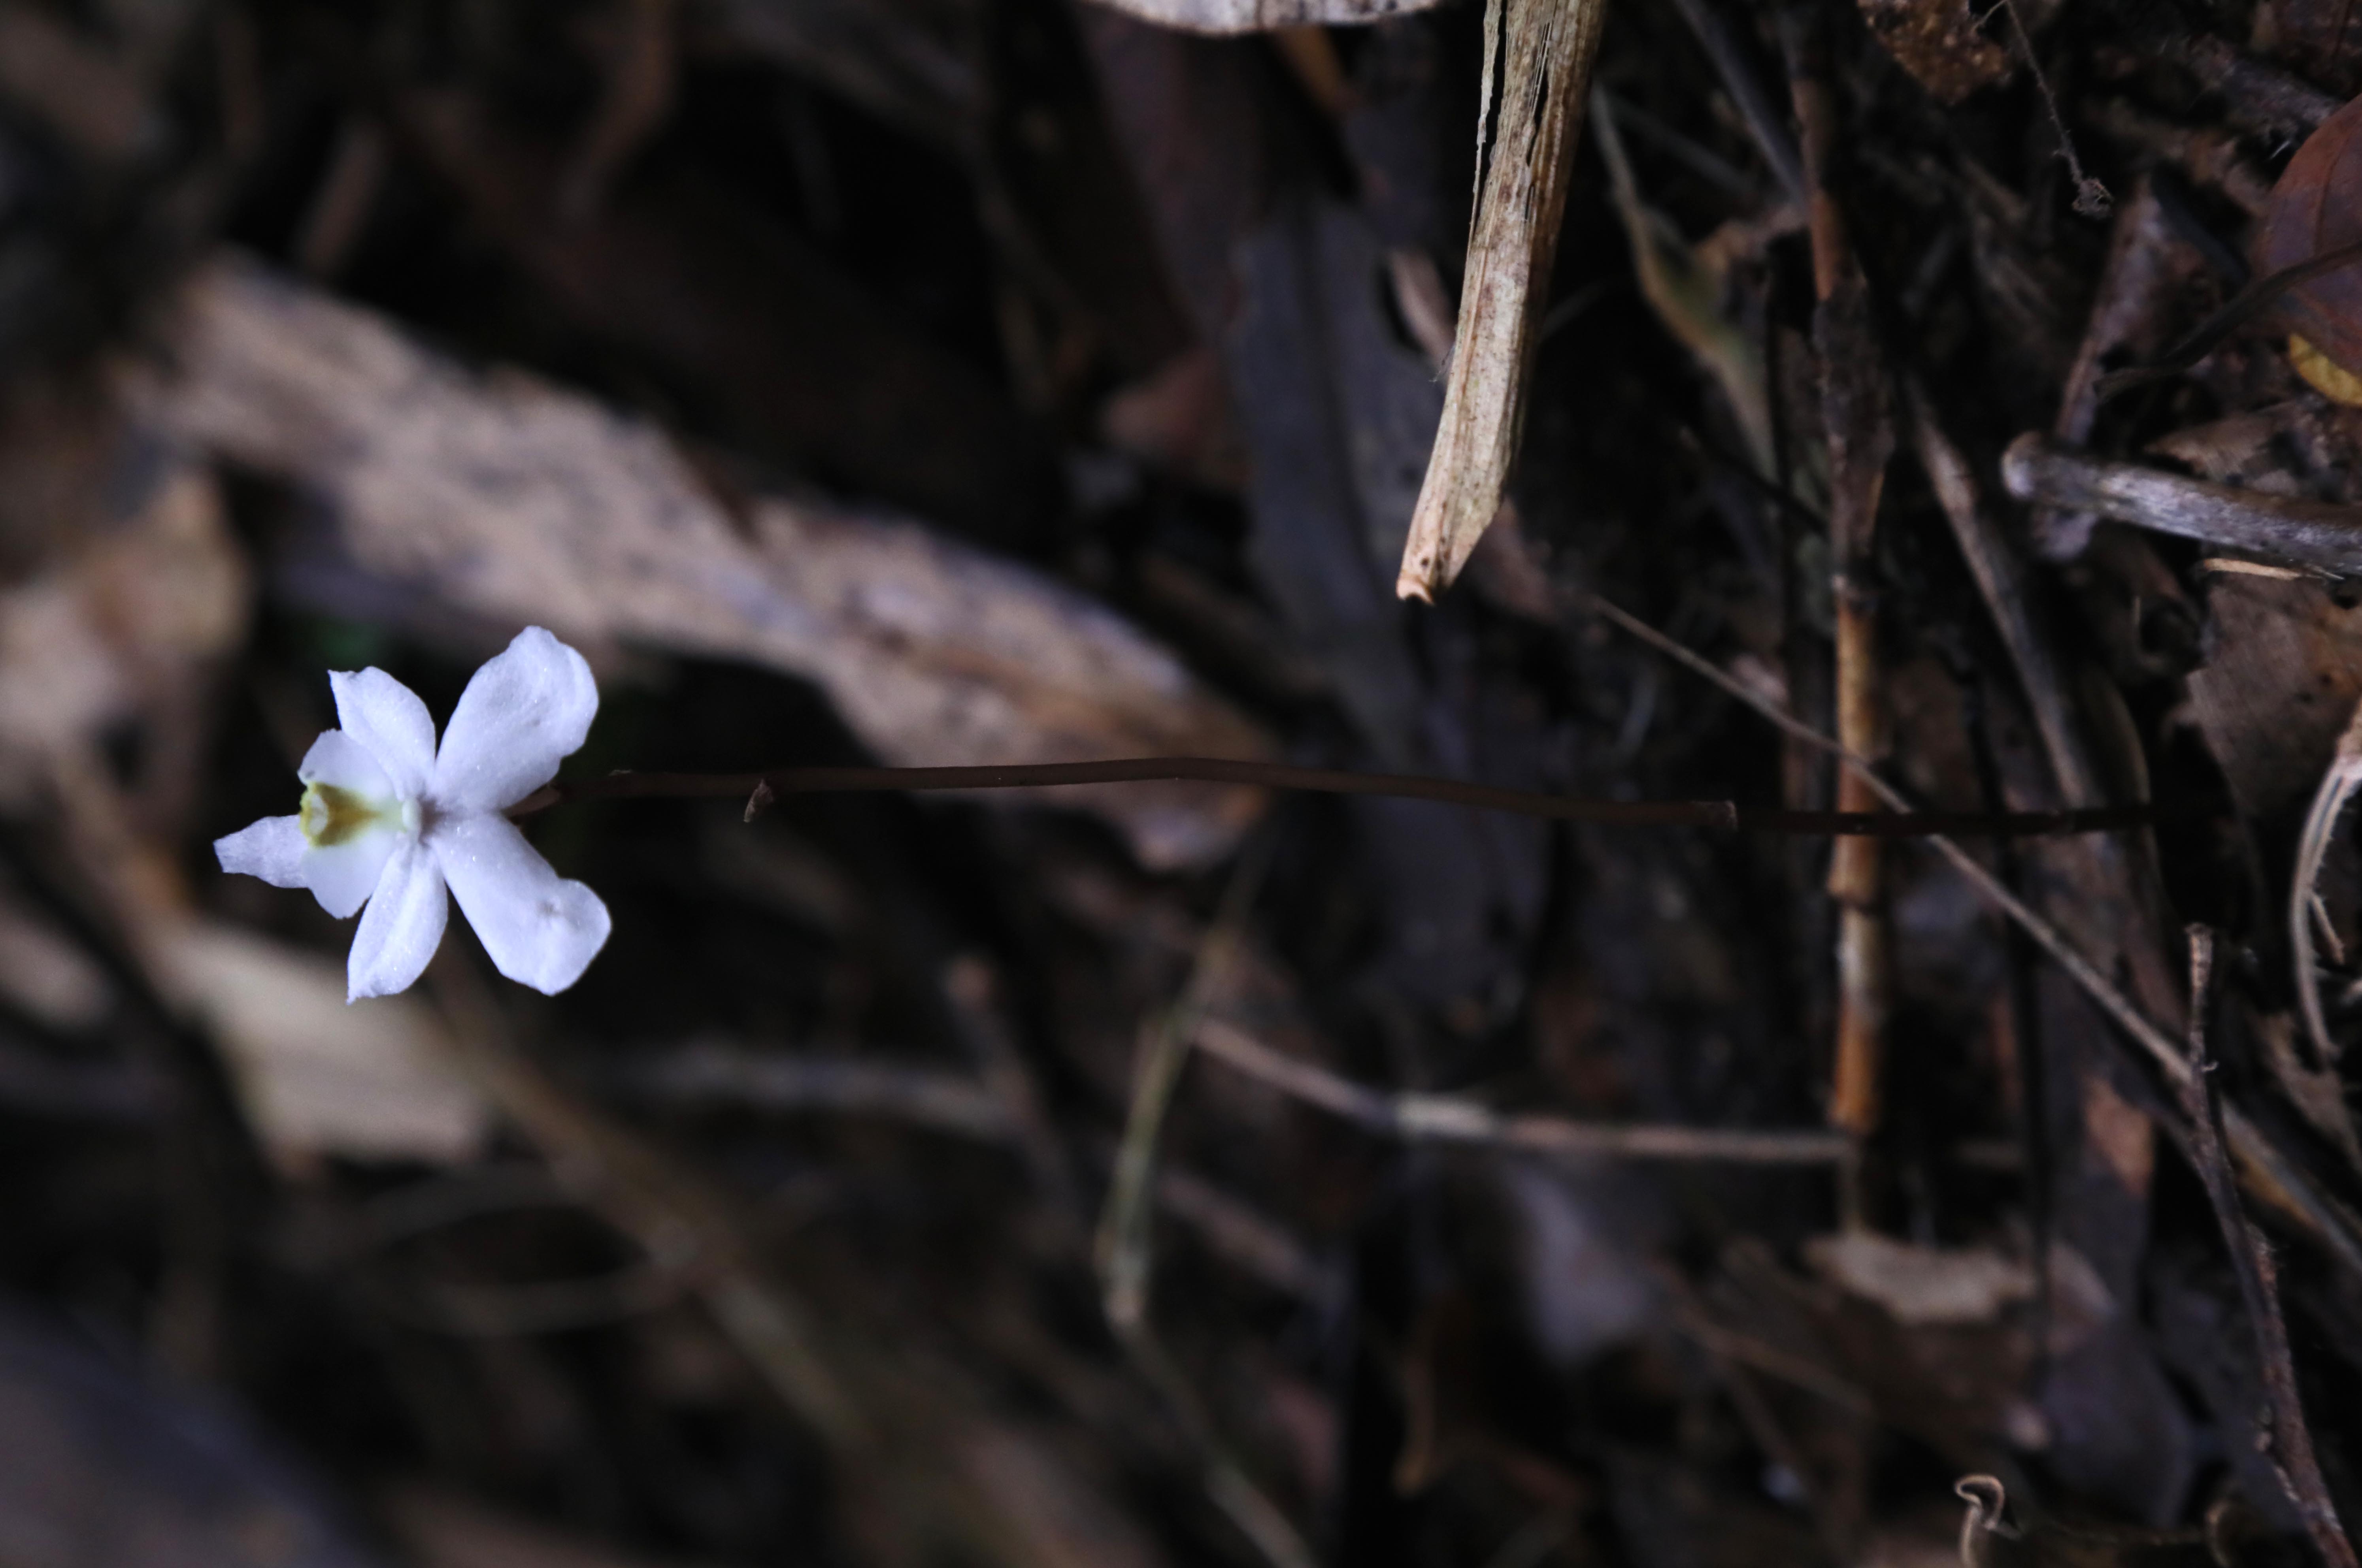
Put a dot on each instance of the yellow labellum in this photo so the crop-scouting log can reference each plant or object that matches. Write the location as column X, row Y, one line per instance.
column 330, row 816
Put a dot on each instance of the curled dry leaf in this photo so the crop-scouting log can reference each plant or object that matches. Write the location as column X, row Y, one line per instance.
column 2315, row 208
column 508, row 499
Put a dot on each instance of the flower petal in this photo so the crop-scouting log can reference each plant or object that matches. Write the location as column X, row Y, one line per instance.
column 338, row 761
column 403, row 927
column 524, row 710
column 540, row 930
column 271, row 849
column 391, row 723
column 343, row 875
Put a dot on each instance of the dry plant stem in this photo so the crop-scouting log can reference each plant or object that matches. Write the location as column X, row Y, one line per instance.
column 1452, row 1119
column 760, row 789
column 2329, row 802
column 2269, row 1172
column 2008, row 592
column 1126, row 1251
column 2289, row 1438
column 2289, row 528
column 1855, row 410
column 1538, row 56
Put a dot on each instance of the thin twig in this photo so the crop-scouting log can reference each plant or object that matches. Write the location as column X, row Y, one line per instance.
column 1452, row 1119
column 2289, row 1438
column 1330, row 782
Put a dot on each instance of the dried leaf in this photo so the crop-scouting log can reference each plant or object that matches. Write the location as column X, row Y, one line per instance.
column 509, row 498
column 1938, row 43
column 117, row 627
column 1538, row 56
column 316, row 1075
column 2316, row 207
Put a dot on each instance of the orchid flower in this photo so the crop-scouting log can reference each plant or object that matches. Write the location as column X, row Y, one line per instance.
column 390, row 822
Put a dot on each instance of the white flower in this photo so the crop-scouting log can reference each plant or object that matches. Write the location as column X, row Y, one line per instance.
column 390, row 822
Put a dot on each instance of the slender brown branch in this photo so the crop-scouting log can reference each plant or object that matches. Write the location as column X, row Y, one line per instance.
column 780, row 781
column 2289, row 1439
column 1450, row 1119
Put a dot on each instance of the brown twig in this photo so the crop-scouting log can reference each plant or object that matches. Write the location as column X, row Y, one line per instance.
column 759, row 789
column 2285, row 527
column 2289, row 1438
column 1452, row 1119
column 1855, row 413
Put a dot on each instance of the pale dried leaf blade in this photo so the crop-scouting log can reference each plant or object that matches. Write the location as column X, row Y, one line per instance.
column 316, row 1077
column 1546, row 48
column 1232, row 17
column 2338, row 787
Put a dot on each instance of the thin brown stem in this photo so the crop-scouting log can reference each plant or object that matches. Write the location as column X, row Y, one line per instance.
column 759, row 789
column 2288, row 1441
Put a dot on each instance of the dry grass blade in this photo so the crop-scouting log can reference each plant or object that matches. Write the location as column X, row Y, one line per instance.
column 1450, row 1119
column 2337, row 788
column 1538, row 56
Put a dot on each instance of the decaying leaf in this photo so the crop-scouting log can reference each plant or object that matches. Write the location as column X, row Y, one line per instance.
column 117, row 627
column 2316, row 207
column 1538, row 56
column 316, row 1077
column 2283, row 678
column 1938, row 41
column 506, row 498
